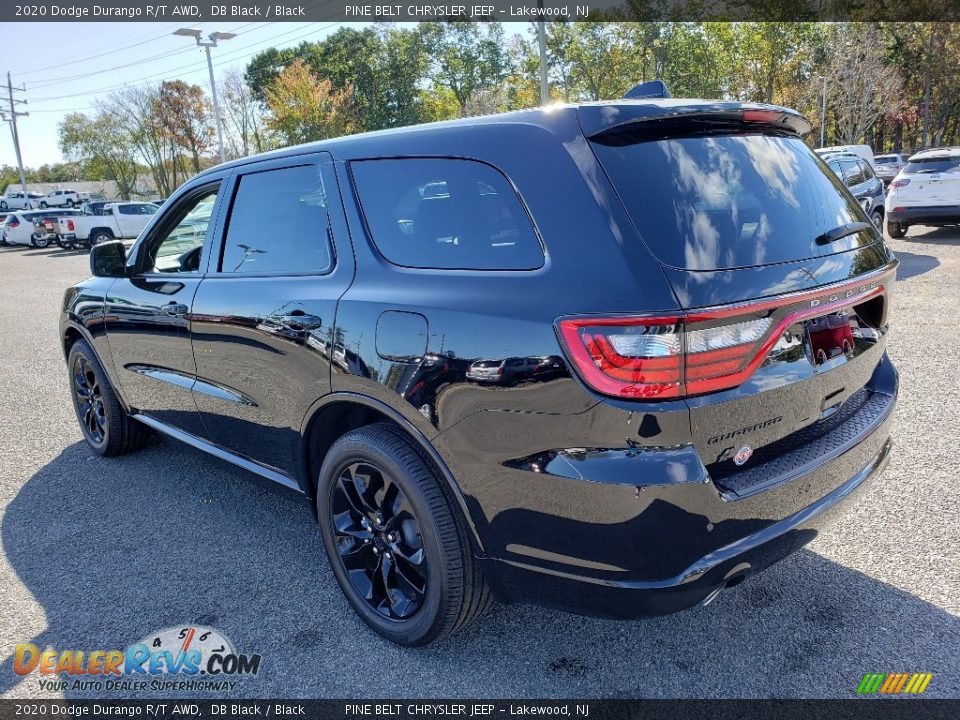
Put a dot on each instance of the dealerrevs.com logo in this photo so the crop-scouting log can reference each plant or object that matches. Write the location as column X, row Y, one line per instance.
column 182, row 658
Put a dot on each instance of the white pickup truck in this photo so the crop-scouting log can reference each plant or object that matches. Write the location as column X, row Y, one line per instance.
column 115, row 221
column 64, row 198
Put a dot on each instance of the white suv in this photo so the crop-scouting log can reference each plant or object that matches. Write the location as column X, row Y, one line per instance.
column 925, row 192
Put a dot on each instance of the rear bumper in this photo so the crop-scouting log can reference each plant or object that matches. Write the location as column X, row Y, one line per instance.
column 663, row 547
column 724, row 567
column 945, row 214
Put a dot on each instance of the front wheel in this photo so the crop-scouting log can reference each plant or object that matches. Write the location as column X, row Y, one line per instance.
column 876, row 217
column 398, row 546
column 106, row 426
column 3, row 204
column 69, row 203
column 895, row 229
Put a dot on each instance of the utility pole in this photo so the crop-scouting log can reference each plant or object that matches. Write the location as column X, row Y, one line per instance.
column 926, row 93
column 210, row 42
column 542, row 42
column 13, row 127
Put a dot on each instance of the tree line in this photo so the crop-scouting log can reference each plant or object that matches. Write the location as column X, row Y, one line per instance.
column 895, row 86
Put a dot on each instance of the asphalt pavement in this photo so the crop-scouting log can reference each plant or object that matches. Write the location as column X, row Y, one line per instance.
column 98, row 553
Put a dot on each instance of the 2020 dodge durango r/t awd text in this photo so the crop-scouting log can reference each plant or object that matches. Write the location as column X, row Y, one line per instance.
column 713, row 299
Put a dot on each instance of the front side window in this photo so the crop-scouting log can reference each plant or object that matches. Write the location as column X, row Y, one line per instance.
column 445, row 214
column 179, row 244
column 853, row 173
column 279, row 224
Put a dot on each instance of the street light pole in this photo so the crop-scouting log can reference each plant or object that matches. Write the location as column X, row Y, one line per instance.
column 210, row 42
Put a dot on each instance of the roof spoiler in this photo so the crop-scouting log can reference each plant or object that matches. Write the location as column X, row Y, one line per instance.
column 649, row 89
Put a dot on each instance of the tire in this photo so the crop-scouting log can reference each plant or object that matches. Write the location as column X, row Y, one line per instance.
column 419, row 542
column 895, row 229
column 42, row 243
column 106, row 426
column 3, row 204
column 876, row 217
column 69, row 203
column 99, row 236
column 43, row 205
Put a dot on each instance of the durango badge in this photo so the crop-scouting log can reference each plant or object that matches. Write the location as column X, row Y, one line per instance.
column 743, row 454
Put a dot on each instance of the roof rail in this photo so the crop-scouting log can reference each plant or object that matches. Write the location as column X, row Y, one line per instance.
column 649, row 89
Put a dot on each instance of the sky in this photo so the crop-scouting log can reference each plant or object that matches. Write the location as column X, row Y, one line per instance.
column 65, row 66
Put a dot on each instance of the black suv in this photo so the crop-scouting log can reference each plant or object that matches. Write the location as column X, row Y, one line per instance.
column 706, row 301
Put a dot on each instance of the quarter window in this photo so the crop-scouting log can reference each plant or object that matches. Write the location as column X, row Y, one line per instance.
column 279, row 224
column 445, row 214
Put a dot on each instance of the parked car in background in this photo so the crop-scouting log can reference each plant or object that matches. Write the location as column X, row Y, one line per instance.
column 887, row 166
column 63, row 198
column 307, row 315
column 862, row 151
column 18, row 227
column 925, row 192
column 863, row 184
column 45, row 226
column 509, row 371
column 20, row 201
column 117, row 220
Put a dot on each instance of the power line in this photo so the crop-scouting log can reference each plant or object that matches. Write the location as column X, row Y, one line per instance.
column 69, row 61
column 190, row 68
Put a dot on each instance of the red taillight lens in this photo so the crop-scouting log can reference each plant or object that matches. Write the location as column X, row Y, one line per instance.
column 694, row 352
column 13, row 223
column 70, row 225
column 500, row 371
column 899, row 183
column 626, row 357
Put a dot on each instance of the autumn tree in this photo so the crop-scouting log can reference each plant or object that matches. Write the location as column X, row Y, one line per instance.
column 303, row 108
column 184, row 113
column 103, row 144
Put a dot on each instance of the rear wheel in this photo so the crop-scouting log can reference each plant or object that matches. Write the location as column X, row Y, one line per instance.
column 106, row 426
column 43, row 205
column 41, row 242
column 100, row 236
column 876, row 217
column 398, row 547
column 895, row 229
column 3, row 204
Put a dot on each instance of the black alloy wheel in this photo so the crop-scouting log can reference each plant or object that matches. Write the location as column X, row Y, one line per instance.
column 397, row 542
column 106, row 426
column 379, row 541
column 89, row 399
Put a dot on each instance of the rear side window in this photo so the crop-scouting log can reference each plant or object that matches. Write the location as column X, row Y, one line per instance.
column 445, row 214
column 279, row 224
column 727, row 201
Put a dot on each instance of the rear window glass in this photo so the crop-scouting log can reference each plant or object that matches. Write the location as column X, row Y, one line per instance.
column 933, row 165
column 726, row 201
column 445, row 214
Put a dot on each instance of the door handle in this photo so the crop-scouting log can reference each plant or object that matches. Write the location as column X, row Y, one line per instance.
column 175, row 309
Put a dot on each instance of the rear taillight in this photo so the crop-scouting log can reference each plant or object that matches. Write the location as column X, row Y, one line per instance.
column 899, row 183
column 500, row 371
column 13, row 223
column 70, row 225
column 694, row 352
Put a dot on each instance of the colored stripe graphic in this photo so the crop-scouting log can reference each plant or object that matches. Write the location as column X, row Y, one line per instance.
column 894, row 683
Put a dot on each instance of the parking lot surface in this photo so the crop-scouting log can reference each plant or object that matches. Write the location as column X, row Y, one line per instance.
column 98, row 553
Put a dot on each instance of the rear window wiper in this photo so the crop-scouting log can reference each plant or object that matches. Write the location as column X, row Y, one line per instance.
column 841, row 232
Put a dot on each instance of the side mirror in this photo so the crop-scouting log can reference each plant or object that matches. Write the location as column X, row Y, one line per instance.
column 109, row 259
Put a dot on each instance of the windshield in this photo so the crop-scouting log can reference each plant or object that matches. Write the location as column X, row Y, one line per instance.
column 727, row 201
column 933, row 164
